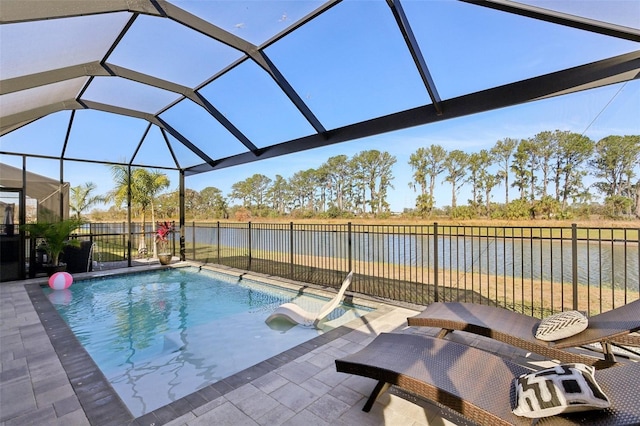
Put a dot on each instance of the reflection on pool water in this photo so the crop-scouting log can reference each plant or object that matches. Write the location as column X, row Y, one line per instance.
column 159, row 336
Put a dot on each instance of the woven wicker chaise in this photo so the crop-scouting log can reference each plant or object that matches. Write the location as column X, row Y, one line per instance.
column 518, row 329
column 475, row 383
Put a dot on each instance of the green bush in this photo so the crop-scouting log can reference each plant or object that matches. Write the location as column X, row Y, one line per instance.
column 463, row 212
column 517, row 209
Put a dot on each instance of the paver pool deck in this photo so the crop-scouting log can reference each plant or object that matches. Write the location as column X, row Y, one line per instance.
column 46, row 378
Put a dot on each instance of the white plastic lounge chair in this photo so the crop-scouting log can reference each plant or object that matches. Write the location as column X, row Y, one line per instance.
column 296, row 315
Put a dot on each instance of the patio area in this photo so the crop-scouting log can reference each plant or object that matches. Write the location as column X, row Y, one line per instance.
column 150, row 84
column 47, row 378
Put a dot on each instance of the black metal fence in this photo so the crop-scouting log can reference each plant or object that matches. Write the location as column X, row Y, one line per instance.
column 109, row 244
column 534, row 270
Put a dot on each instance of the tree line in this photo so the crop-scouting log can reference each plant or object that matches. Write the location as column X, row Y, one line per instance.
column 548, row 172
column 542, row 177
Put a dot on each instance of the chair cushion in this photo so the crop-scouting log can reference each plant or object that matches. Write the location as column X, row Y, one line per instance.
column 564, row 388
column 561, row 325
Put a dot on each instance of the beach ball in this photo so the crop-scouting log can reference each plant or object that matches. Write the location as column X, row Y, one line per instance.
column 60, row 281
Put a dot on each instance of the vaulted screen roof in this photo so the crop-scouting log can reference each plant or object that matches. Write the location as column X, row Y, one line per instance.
column 203, row 85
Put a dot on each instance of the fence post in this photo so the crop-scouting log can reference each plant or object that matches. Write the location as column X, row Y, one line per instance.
column 574, row 264
column 435, row 261
column 218, row 242
column 193, row 238
column 249, row 268
column 291, row 250
column 126, row 242
column 349, row 246
column 173, row 238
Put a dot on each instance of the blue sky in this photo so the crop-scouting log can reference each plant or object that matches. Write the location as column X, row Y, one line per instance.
column 348, row 65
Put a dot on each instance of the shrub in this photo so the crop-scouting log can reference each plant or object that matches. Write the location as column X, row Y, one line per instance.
column 463, row 212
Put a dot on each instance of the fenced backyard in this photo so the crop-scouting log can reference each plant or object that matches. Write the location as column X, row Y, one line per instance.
column 533, row 270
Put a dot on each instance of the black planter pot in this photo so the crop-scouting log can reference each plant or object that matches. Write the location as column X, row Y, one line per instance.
column 52, row 269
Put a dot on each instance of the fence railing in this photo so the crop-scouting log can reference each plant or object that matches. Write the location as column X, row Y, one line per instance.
column 533, row 270
column 110, row 242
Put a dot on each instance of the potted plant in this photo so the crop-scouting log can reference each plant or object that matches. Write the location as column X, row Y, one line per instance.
column 55, row 236
column 163, row 247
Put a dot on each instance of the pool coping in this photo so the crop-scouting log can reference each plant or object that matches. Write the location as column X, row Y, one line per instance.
column 101, row 403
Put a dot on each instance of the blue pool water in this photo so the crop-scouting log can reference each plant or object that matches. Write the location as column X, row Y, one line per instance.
column 159, row 336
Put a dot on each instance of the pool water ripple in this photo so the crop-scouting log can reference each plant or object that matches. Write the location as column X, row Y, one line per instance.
column 162, row 335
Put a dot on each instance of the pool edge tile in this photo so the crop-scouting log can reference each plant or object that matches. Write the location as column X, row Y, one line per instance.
column 102, row 408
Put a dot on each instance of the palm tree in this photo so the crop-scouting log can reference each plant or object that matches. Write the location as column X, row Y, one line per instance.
column 153, row 183
column 81, row 198
column 145, row 187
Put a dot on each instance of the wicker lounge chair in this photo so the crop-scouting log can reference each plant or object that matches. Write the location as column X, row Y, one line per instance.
column 475, row 383
column 296, row 315
column 518, row 330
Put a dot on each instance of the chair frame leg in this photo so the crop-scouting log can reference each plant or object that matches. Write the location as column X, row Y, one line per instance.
column 608, row 351
column 443, row 332
column 380, row 388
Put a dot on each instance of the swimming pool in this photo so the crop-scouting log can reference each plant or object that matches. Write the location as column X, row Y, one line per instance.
column 162, row 335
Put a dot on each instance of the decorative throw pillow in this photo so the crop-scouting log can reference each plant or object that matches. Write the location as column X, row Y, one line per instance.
column 559, row 326
column 564, row 388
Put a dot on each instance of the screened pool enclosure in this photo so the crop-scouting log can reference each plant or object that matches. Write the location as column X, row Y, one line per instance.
column 191, row 87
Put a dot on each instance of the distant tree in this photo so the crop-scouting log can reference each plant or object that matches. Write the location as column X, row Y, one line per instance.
column 544, row 146
column 252, row 191
column 481, row 178
column 502, row 152
column 374, row 169
column 617, row 205
column 573, row 151
column 260, row 184
column 487, row 178
column 428, row 164
column 242, row 191
column 81, row 199
column 323, row 190
column 193, row 204
column 418, row 163
column 278, row 195
column 338, row 175
column 637, row 200
column 358, row 190
column 476, row 164
column 214, row 203
column 615, row 161
column 303, row 185
column 168, row 205
column 525, row 161
column 456, row 164
column 532, row 149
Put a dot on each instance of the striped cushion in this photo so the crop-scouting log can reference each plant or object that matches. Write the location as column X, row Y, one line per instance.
column 562, row 325
column 564, row 388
